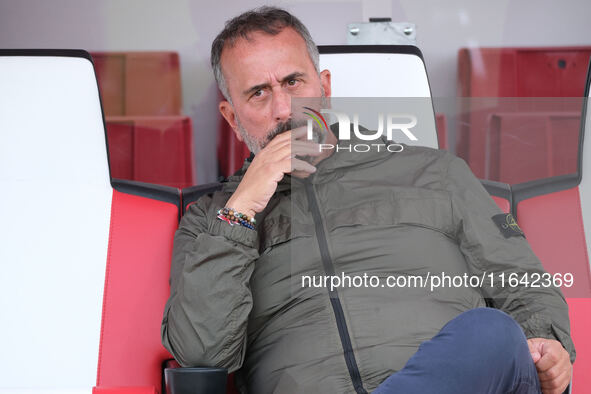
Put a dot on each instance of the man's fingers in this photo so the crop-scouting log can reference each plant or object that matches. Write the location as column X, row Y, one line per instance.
column 292, row 134
column 284, row 139
column 300, row 165
column 533, row 346
column 534, row 350
column 300, row 148
column 556, row 385
column 276, row 147
column 550, row 357
column 278, row 140
column 553, row 373
column 554, row 367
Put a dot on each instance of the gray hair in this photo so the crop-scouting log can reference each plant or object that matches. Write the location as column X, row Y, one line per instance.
column 271, row 20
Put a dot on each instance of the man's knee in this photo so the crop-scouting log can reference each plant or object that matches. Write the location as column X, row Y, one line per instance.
column 489, row 327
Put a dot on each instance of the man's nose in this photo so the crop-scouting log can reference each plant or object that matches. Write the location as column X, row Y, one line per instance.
column 281, row 105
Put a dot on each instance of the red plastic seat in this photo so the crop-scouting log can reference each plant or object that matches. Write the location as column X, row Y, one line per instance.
column 139, row 83
column 525, row 146
column 153, row 149
column 553, row 226
column 82, row 245
column 511, row 72
column 555, row 215
column 440, row 121
column 143, row 221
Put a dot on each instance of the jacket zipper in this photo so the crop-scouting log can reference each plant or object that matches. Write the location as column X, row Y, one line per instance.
column 334, row 295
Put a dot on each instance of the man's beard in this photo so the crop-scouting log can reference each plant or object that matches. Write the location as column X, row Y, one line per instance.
column 256, row 144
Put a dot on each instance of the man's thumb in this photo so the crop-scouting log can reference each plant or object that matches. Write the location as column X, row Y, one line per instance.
column 534, row 351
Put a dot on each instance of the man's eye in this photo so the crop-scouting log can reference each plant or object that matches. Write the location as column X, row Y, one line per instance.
column 258, row 93
column 292, row 82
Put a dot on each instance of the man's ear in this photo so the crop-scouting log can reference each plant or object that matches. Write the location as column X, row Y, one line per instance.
column 227, row 111
column 325, row 81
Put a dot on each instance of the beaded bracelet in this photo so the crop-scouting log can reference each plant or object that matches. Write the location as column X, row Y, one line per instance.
column 232, row 217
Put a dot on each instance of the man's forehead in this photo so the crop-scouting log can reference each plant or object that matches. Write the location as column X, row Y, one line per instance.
column 252, row 58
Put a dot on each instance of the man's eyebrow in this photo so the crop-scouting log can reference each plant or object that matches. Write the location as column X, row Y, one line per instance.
column 294, row 75
column 289, row 77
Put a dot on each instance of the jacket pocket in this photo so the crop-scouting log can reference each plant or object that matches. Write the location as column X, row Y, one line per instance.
column 406, row 206
column 281, row 228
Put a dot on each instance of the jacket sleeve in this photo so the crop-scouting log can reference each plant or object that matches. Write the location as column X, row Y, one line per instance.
column 205, row 318
column 541, row 311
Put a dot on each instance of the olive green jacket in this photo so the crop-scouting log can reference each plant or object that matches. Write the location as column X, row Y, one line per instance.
column 237, row 299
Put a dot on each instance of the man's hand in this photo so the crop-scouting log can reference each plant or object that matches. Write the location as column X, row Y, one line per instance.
column 268, row 168
column 553, row 364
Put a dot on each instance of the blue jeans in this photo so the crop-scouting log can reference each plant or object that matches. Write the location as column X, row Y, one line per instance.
column 482, row 350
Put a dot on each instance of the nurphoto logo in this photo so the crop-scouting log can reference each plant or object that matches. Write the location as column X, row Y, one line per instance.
column 394, row 123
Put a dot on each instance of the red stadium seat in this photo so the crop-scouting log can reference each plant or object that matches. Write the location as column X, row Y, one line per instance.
column 152, row 149
column 139, row 83
column 95, row 240
column 553, row 225
column 441, row 130
column 149, row 140
column 525, row 146
column 517, row 72
column 551, row 218
column 143, row 221
column 555, row 215
column 511, row 72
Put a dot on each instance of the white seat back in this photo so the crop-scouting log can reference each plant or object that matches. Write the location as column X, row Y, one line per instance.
column 383, row 71
column 55, row 209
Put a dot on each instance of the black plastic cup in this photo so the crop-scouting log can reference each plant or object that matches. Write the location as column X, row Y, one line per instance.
column 195, row 380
